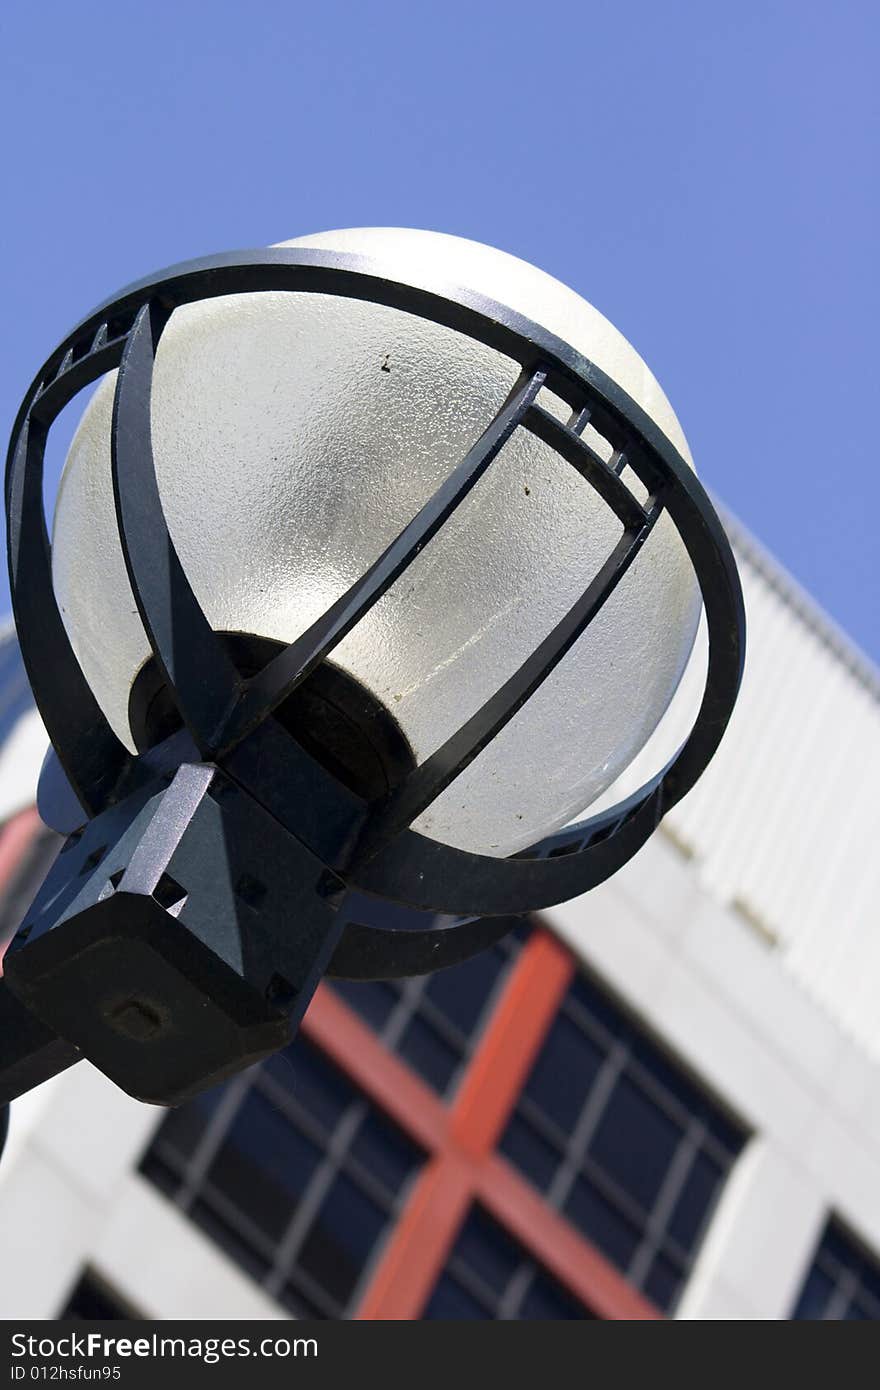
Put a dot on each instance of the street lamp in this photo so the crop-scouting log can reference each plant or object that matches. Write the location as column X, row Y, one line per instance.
column 376, row 558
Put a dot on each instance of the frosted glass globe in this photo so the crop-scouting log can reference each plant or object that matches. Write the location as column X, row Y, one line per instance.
column 296, row 434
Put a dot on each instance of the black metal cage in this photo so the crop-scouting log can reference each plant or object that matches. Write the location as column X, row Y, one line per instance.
column 364, row 847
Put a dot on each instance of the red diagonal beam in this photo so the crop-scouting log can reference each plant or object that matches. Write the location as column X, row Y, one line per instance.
column 462, row 1166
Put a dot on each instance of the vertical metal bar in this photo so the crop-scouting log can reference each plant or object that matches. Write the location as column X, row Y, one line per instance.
column 282, row 675
column 578, row 420
column 193, row 661
column 91, row 755
column 424, row 785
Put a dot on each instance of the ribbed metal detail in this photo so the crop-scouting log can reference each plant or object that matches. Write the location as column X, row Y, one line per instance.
column 783, row 825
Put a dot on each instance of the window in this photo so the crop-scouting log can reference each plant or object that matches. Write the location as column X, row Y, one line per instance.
column 93, row 1301
column 621, row 1142
column 292, row 1172
column 843, row 1283
column 489, row 1275
column 591, row 1162
column 434, row 1021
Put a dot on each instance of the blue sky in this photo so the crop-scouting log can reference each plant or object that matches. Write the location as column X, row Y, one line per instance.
column 706, row 174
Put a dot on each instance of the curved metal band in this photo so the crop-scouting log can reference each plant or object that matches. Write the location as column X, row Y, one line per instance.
column 94, row 765
column 429, row 875
column 291, row 667
column 374, row 953
column 193, row 661
column 393, row 862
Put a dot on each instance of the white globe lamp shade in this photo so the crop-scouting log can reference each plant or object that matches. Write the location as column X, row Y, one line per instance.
column 295, row 435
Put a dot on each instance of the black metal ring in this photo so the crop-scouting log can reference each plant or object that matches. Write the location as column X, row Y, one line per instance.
column 387, row 859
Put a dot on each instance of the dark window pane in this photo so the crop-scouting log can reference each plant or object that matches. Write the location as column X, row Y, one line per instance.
column 564, row 1073
column 490, row 1275
column 684, row 1092
column 696, row 1197
column 434, row 1023
column 532, row 1154
column 519, row 933
column 461, row 992
column 431, row 1057
column 297, row 1303
column 450, row 1300
column 663, row 1282
column 869, row 1278
column 855, row 1312
column 386, row 1153
column 839, row 1247
column 815, row 1297
column 487, row 1251
column 594, row 1001
column 548, row 1301
column 161, row 1174
column 264, row 1165
column 230, row 1239
column 601, row 1223
column 604, row 1114
column 840, row 1285
column 372, row 999
column 341, row 1239
column 635, row 1142
column 318, row 1086
column 92, row 1301
column 725, row 1131
column 301, row 1184
column 184, row 1126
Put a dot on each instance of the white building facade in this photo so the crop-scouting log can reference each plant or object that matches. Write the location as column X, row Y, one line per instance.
column 739, row 947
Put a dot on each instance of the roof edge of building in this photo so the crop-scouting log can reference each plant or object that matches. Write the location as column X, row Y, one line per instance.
column 807, row 608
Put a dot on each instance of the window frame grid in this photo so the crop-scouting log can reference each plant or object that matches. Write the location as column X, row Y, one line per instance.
column 620, row 1061
column 575, row 1162
column 504, row 1307
column 194, row 1188
column 848, row 1286
column 461, row 1135
column 413, row 1004
column 458, row 1134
